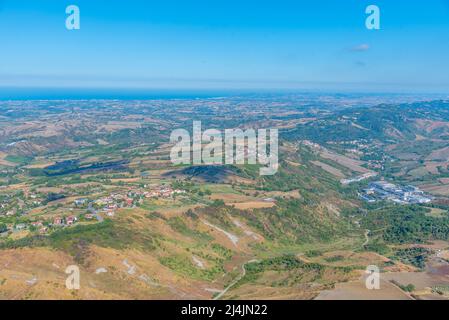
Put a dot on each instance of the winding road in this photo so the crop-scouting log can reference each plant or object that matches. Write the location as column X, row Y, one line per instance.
column 233, row 283
column 367, row 232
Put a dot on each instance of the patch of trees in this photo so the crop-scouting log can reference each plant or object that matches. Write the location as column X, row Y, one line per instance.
column 54, row 197
column 415, row 256
column 3, row 228
column 407, row 224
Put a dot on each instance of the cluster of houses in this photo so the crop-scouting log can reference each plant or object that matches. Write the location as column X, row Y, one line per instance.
column 7, row 206
column 162, row 192
column 12, row 204
column 383, row 190
column 8, row 213
column 311, row 144
column 107, row 205
column 43, row 227
column 363, row 147
column 67, row 221
column 154, row 192
column 110, row 204
column 40, row 226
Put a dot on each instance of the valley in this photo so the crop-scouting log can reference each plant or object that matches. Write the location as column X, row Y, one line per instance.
column 90, row 183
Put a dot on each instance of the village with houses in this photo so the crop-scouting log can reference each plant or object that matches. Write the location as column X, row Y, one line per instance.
column 91, row 209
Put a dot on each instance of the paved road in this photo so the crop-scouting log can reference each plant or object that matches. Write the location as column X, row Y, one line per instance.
column 94, row 212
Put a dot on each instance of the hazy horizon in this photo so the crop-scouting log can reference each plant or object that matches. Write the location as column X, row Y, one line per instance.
column 175, row 93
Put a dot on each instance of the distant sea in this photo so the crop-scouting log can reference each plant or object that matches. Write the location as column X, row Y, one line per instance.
column 156, row 94
column 111, row 94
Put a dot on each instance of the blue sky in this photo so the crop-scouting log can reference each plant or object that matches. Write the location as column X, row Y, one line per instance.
column 236, row 44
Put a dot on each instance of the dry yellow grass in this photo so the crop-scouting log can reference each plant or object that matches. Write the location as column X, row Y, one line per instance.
column 352, row 164
column 40, row 165
column 3, row 162
column 437, row 189
column 356, row 290
column 440, row 154
column 253, row 205
column 334, row 171
column 39, row 273
column 231, row 197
